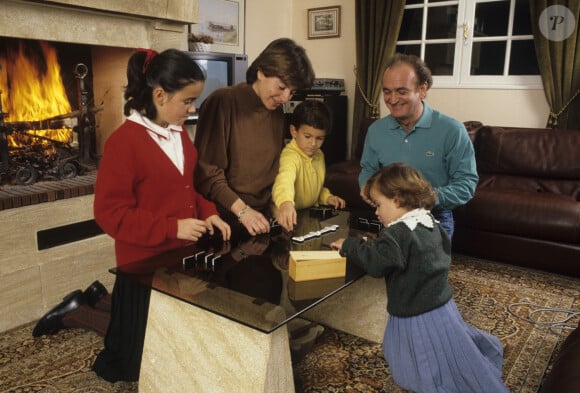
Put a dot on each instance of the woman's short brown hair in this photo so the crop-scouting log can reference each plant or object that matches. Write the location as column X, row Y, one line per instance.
column 284, row 59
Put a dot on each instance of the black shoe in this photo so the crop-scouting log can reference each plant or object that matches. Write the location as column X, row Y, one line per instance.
column 51, row 322
column 95, row 292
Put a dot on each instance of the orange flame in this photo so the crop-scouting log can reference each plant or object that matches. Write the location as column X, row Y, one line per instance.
column 32, row 90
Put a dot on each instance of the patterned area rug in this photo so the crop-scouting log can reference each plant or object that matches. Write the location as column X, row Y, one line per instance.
column 498, row 298
column 491, row 296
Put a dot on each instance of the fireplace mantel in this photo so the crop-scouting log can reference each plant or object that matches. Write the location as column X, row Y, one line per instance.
column 157, row 24
column 171, row 10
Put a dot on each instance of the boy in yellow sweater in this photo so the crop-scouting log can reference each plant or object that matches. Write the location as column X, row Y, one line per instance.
column 300, row 180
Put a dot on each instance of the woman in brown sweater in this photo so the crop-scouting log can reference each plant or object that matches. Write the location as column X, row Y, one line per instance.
column 240, row 134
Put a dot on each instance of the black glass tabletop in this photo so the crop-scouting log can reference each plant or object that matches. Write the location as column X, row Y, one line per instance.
column 246, row 279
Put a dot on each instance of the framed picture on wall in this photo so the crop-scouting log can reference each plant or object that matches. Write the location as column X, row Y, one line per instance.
column 324, row 22
column 224, row 21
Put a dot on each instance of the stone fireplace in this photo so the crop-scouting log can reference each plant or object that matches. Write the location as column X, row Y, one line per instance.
column 111, row 29
column 34, row 278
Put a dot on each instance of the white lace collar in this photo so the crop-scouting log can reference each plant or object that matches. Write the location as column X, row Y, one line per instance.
column 414, row 217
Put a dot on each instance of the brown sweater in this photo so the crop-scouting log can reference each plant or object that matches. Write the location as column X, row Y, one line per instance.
column 239, row 143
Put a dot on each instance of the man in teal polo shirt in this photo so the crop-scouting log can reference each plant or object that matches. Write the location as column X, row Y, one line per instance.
column 414, row 133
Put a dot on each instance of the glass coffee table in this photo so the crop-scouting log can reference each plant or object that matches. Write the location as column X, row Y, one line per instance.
column 219, row 311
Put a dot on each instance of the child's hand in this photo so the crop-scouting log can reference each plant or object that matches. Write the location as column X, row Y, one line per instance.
column 337, row 244
column 336, row 202
column 191, row 229
column 286, row 216
column 363, row 195
column 224, row 227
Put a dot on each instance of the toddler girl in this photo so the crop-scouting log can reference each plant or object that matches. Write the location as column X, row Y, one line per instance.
column 427, row 344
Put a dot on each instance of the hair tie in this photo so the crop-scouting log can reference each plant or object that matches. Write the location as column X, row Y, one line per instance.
column 150, row 55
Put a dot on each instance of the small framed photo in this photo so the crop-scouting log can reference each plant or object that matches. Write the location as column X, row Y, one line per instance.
column 324, row 22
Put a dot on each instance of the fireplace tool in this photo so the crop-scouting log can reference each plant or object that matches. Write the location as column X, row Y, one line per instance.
column 4, row 131
column 85, row 128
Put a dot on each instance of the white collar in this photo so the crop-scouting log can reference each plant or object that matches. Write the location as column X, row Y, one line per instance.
column 414, row 217
column 147, row 123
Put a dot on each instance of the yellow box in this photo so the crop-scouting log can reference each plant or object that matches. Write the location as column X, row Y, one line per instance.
column 314, row 265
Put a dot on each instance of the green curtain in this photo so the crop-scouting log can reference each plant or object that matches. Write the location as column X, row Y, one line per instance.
column 559, row 63
column 377, row 24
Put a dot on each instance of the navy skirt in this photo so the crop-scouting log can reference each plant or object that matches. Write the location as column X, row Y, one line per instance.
column 438, row 352
column 120, row 360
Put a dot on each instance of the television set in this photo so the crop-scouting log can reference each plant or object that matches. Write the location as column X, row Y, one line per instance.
column 221, row 70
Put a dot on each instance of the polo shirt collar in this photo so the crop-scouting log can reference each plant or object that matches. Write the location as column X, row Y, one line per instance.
column 424, row 121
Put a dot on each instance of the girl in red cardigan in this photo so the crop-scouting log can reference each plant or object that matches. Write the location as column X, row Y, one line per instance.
column 145, row 199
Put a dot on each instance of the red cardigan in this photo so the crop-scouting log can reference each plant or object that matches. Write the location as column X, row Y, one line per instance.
column 140, row 194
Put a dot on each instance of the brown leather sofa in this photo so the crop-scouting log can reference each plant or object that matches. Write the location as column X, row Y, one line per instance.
column 342, row 177
column 526, row 211
column 526, row 208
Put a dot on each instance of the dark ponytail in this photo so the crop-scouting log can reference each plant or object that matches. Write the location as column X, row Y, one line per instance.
column 171, row 70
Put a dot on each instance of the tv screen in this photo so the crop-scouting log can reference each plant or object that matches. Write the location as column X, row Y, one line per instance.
column 221, row 69
column 216, row 76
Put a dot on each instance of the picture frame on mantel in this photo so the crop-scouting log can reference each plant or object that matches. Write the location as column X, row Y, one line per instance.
column 324, row 22
column 224, row 21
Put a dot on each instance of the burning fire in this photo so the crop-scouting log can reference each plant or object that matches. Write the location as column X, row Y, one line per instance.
column 32, row 94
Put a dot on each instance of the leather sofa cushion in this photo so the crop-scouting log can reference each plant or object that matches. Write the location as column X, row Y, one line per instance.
column 351, row 167
column 342, row 180
column 535, row 215
column 528, row 152
column 530, row 184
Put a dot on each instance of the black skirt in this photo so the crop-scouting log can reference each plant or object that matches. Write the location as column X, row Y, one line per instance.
column 120, row 360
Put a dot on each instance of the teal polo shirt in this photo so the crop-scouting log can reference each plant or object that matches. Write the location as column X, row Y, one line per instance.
column 438, row 146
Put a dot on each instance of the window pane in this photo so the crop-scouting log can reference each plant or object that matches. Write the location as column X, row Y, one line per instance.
column 413, row 2
column 491, row 19
column 522, row 23
column 441, row 22
column 409, row 49
column 523, row 59
column 439, row 58
column 411, row 25
column 488, row 58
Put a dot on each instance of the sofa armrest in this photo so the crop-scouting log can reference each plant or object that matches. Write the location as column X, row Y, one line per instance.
column 342, row 180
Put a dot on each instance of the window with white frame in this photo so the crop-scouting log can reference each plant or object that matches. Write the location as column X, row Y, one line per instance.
column 472, row 43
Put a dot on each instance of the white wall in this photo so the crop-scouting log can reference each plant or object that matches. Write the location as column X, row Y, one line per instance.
column 516, row 108
column 266, row 20
column 335, row 58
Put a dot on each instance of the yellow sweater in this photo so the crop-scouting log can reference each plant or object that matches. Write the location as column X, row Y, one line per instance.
column 300, row 178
